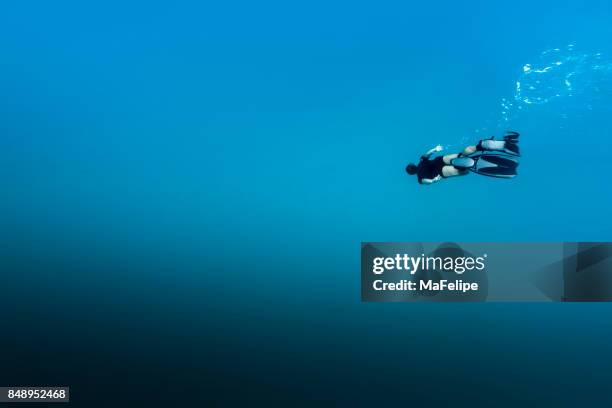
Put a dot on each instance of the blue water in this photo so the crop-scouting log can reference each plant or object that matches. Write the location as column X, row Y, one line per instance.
column 186, row 185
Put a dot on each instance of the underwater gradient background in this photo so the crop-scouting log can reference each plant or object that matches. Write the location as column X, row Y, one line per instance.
column 185, row 186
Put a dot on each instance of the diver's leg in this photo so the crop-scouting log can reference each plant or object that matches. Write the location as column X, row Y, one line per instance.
column 452, row 171
column 449, row 157
column 509, row 145
column 488, row 144
column 469, row 150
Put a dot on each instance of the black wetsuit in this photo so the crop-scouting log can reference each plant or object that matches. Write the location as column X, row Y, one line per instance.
column 430, row 169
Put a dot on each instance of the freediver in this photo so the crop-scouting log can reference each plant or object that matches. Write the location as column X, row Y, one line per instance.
column 490, row 157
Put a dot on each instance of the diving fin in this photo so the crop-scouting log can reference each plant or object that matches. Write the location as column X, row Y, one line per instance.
column 500, row 161
column 499, row 172
column 492, row 165
column 512, row 136
column 511, row 143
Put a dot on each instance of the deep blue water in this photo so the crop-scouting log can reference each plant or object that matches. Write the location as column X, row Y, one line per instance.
column 186, row 185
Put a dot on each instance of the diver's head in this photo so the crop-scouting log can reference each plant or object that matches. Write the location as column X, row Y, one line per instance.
column 411, row 169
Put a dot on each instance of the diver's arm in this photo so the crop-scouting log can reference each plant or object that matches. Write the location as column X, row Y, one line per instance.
column 438, row 148
column 430, row 181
